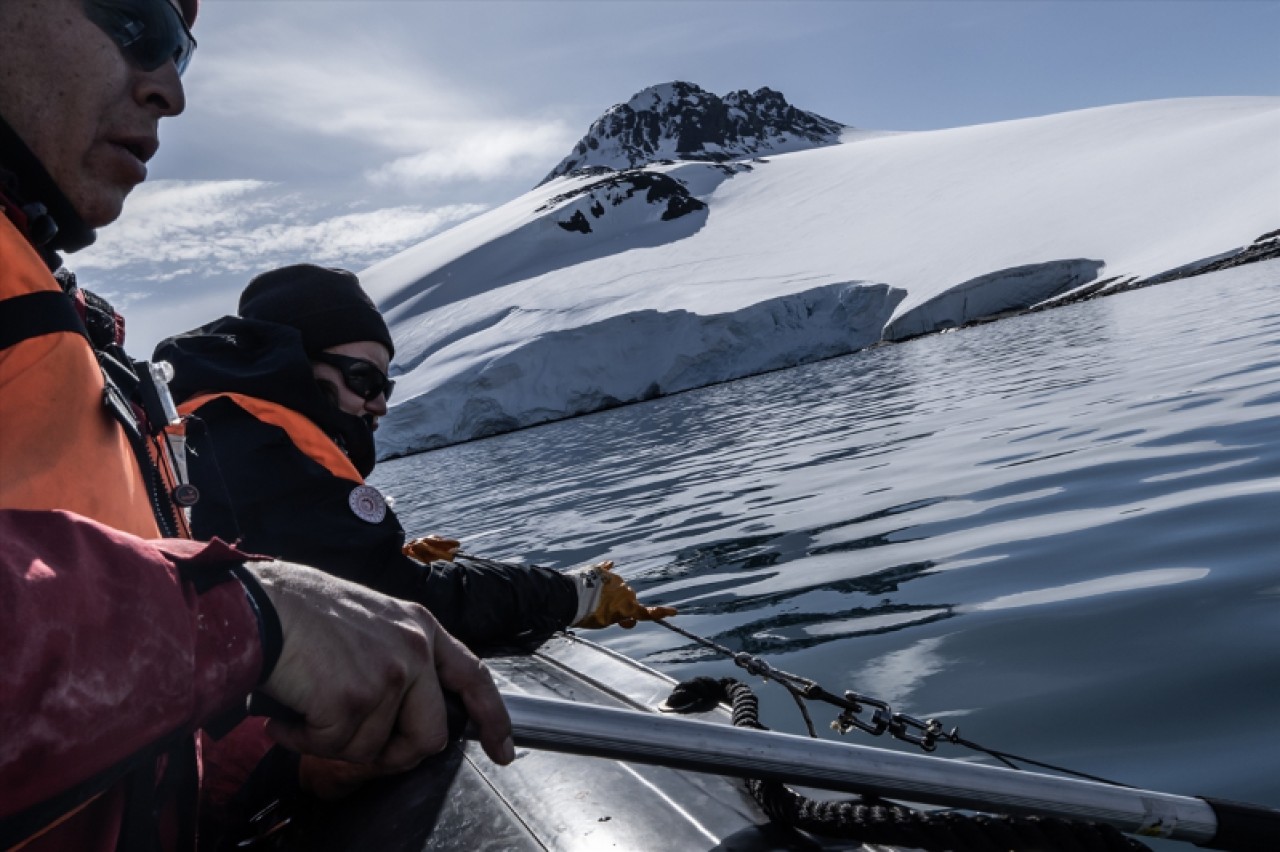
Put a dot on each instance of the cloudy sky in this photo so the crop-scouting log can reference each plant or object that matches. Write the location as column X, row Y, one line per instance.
column 343, row 131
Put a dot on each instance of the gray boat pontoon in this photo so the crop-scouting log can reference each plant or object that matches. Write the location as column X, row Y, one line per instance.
column 552, row 801
column 600, row 767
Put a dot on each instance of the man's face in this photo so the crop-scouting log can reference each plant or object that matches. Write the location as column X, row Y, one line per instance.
column 371, row 410
column 88, row 114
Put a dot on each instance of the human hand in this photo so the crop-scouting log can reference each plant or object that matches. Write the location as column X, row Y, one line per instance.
column 333, row 779
column 618, row 604
column 430, row 548
column 366, row 671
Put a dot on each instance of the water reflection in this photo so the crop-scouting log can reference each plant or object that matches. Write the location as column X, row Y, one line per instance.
column 1093, row 588
column 787, row 633
column 999, row 519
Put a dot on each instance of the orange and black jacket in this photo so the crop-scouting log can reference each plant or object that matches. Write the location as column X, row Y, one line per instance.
column 117, row 641
column 277, row 463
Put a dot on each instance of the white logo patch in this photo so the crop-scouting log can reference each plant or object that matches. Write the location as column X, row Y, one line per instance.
column 368, row 504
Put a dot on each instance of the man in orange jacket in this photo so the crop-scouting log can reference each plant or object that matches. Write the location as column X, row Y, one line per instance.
column 118, row 640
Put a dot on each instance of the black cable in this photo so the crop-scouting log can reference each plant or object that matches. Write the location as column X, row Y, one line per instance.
column 871, row 820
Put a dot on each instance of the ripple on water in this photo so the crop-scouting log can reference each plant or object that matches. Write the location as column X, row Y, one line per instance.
column 1061, row 525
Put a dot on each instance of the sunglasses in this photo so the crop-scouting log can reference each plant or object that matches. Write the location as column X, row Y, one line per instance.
column 148, row 32
column 360, row 376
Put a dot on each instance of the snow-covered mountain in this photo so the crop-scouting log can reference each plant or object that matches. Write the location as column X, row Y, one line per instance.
column 610, row 286
column 680, row 121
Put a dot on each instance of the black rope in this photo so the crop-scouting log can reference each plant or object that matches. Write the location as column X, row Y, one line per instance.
column 871, row 820
column 802, row 688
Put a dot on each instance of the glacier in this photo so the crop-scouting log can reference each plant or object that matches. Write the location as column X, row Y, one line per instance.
column 606, row 286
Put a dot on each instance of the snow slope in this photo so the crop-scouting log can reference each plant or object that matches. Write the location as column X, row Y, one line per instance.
column 611, row 287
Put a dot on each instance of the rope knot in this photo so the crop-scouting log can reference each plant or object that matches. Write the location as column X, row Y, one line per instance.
column 694, row 696
column 752, row 665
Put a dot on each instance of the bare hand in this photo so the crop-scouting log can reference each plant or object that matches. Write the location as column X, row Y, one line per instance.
column 366, row 672
column 333, row 779
column 618, row 604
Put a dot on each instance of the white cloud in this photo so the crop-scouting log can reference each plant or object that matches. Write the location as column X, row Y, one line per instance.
column 433, row 131
column 480, row 151
column 383, row 102
column 335, row 98
column 374, row 233
column 175, row 228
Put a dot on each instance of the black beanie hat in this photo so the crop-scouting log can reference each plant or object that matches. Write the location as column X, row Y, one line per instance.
column 326, row 305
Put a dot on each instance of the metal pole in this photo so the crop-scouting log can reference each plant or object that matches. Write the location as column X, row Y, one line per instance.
column 566, row 726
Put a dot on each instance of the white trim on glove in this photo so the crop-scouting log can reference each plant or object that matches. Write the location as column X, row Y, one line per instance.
column 589, row 582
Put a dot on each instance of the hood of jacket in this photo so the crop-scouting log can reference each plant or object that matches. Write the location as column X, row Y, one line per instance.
column 264, row 360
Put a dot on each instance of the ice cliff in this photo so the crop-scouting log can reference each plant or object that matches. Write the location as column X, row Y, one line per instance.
column 617, row 280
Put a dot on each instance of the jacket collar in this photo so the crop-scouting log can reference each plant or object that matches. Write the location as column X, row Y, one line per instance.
column 265, row 360
column 34, row 203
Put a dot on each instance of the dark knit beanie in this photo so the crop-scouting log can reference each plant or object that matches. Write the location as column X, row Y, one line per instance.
column 326, row 305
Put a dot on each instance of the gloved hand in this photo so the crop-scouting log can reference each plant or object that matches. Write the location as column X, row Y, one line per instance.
column 618, row 604
column 431, row 548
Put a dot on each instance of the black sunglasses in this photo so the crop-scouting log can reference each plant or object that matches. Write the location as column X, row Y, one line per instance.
column 362, row 377
column 148, row 32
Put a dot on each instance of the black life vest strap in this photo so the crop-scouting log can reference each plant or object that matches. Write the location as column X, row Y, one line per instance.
column 52, row 311
column 37, row 314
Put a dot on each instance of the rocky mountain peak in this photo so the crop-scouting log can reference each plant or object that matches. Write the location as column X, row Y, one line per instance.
column 682, row 121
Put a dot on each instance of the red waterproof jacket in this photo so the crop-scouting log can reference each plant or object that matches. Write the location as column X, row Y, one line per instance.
column 115, row 645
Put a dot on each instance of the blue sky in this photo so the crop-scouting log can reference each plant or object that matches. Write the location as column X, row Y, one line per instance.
column 343, row 131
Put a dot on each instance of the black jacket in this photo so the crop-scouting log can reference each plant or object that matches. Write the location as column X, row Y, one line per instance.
column 258, row 487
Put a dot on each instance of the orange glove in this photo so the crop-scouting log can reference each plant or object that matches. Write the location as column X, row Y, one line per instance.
column 618, row 604
column 431, row 548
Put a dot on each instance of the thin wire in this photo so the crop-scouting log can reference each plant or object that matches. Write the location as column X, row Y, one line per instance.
column 788, row 681
column 802, row 689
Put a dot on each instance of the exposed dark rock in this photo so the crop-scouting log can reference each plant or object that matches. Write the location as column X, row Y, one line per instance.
column 1080, row 294
column 1265, row 247
column 620, row 186
column 680, row 205
column 577, row 222
column 697, row 125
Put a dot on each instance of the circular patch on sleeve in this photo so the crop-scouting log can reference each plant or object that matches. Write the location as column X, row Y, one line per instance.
column 368, row 504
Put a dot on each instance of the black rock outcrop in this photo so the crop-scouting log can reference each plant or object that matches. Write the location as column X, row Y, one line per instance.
column 683, row 121
column 618, row 187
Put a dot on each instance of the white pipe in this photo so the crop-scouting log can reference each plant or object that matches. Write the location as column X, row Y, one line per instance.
column 566, row 726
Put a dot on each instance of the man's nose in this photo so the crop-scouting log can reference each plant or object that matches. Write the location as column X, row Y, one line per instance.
column 161, row 90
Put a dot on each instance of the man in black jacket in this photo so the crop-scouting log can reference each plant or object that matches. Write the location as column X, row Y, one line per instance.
column 287, row 396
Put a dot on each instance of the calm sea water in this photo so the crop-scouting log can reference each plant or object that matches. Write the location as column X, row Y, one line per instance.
column 1058, row 531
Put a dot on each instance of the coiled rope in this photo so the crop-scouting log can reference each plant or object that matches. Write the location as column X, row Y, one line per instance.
column 870, row 820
